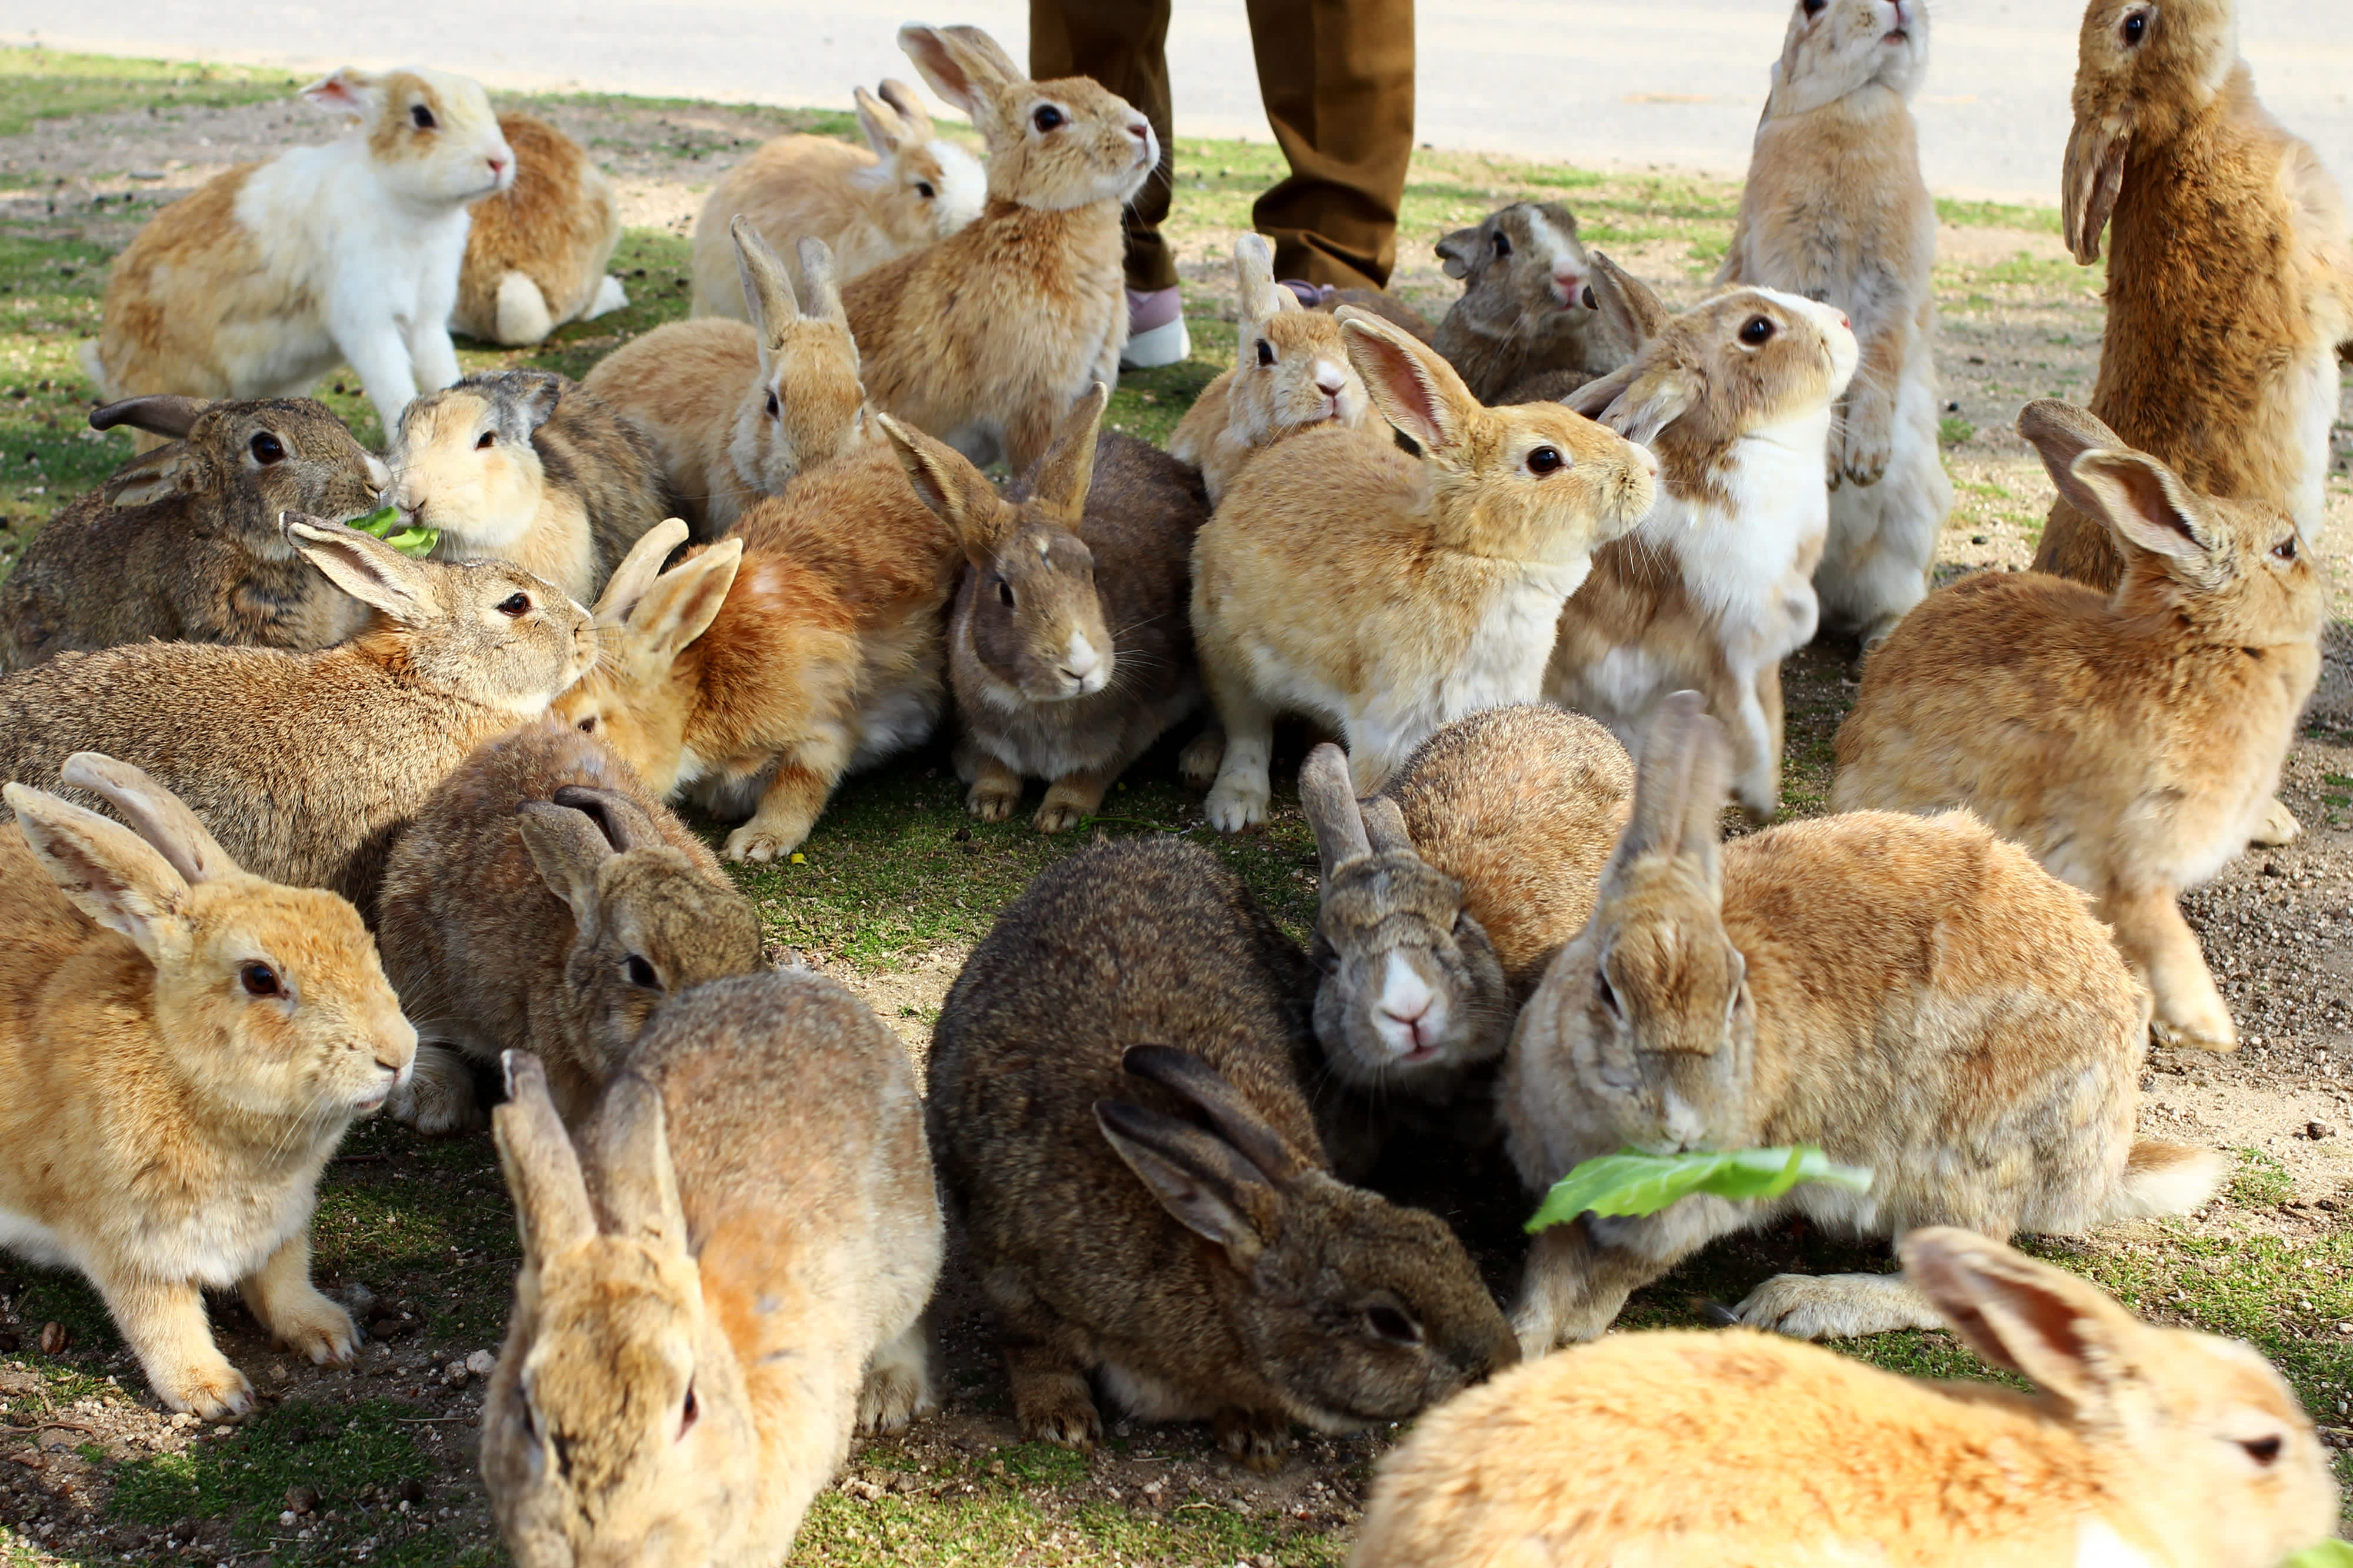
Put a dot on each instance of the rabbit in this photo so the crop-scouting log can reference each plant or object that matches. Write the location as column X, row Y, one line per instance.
column 913, row 189
column 1522, row 310
column 1834, row 209
column 1116, row 1108
column 270, row 275
column 1914, row 994
column 1377, row 301
column 537, row 252
column 1385, row 594
column 2143, row 1446
column 2131, row 742
column 2211, row 200
column 691, row 1348
column 183, row 1043
column 1291, row 373
column 1716, row 587
column 530, row 468
column 806, row 645
column 988, row 337
column 1068, row 653
column 1444, row 897
column 540, row 901
column 183, row 544
column 305, row 764
column 736, row 411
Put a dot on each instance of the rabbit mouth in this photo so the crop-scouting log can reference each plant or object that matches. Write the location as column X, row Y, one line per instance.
column 1897, row 39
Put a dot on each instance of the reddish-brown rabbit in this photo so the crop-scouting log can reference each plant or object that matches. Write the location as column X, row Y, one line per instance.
column 536, row 253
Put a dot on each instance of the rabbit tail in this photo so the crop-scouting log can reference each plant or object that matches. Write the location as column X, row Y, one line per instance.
column 2165, row 1179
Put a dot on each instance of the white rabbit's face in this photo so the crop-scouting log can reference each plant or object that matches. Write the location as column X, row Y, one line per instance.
column 434, row 138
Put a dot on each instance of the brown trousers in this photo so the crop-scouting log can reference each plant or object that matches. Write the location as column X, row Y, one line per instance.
column 1337, row 79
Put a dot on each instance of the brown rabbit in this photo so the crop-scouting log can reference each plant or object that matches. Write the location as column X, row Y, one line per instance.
column 537, row 252
column 1523, row 313
column 184, row 546
column 2132, row 741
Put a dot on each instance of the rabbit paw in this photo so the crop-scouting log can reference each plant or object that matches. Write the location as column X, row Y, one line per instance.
column 438, row 1099
column 1870, row 438
column 2278, row 826
column 990, row 800
column 215, row 1391
column 898, row 1386
column 310, row 1325
column 1259, row 1439
column 763, row 841
column 1060, row 814
column 1237, row 803
column 1197, row 763
column 1073, row 1423
column 1835, row 1306
column 2215, row 1033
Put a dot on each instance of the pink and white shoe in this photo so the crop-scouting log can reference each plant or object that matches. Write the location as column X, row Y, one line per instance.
column 1155, row 330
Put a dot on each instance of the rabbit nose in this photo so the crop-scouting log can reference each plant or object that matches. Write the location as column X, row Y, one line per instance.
column 1406, row 999
column 1081, row 659
column 1329, row 379
column 1648, row 458
column 1568, row 285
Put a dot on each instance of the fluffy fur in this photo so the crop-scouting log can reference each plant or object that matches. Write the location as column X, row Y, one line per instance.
column 1523, row 313
column 537, row 252
column 182, row 1045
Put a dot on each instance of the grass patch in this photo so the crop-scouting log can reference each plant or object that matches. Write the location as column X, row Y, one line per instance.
column 1953, row 430
column 2260, row 1181
column 44, row 84
column 1999, row 214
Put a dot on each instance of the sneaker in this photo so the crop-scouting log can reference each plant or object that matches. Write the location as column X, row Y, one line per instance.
column 1311, row 295
column 1155, row 330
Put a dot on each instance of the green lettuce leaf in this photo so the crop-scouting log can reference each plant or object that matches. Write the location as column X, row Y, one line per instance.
column 2328, row 1554
column 384, row 523
column 1633, row 1184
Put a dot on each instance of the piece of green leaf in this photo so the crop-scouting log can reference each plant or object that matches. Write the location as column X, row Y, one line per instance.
column 384, row 523
column 1630, row 1182
column 2328, row 1554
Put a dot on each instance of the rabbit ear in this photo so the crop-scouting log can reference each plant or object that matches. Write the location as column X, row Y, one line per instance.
column 1237, row 1120
column 1679, row 790
column 1459, row 252
column 964, row 65
column 345, row 91
column 2061, row 433
column 1058, row 485
column 1594, row 398
column 682, row 603
column 1261, row 297
column 1653, row 399
column 912, row 112
column 365, row 567
column 158, row 413
column 173, row 470
column 1329, row 798
column 1385, row 827
column 2062, row 1333
column 154, row 813
column 886, row 132
column 621, row 820
column 104, row 869
column 637, row 571
column 944, row 480
column 542, row 1171
column 2094, row 174
column 1416, row 390
column 1625, row 301
column 1208, row 1188
column 636, row 1184
column 767, row 288
column 568, row 845
column 824, row 280
column 2151, row 508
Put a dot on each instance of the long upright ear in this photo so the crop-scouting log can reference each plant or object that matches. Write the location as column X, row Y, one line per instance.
column 1237, row 1120
column 2041, row 1322
column 1679, row 789
column 568, row 845
column 158, row 413
column 824, row 279
column 104, row 869
column 365, row 567
column 348, row 91
column 2094, row 174
column 178, row 469
column 2150, row 509
column 154, row 813
column 542, row 1171
column 1202, row 1182
column 636, row 1185
column 1329, row 798
column 622, row 821
column 683, row 601
column 1594, row 398
column 1257, row 293
column 912, row 112
column 1655, row 397
column 1626, row 302
column 1058, row 485
column 638, row 570
column 767, row 288
column 1415, row 390
column 964, row 65
column 2060, row 433
column 1385, row 827
column 944, row 480
column 885, row 131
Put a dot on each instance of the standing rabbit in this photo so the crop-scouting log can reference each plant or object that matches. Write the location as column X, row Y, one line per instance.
column 690, row 1350
column 183, row 544
column 2142, row 1447
column 528, row 467
column 1160, row 1214
column 1385, row 594
column 305, row 764
column 986, row 338
column 183, row 1043
column 275, row 272
column 1291, row 373
column 1834, row 209
column 913, row 189
column 1523, row 313
column 1715, row 587
column 1067, row 648
column 2131, row 742
column 537, row 252
column 1912, row 995
column 736, row 411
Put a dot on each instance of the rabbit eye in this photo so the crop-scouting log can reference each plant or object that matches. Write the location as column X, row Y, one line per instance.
column 2284, row 550
column 1046, row 117
column 421, row 117
column 776, row 409
column 1387, row 1323
column 2135, row 29
column 588, row 726
column 1590, row 302
column 267, row 448
column 260, row 980
column 1758, row 332
column 2264, row 1451
column 641, row 972
column 1503, row 245
column 515, row 606
column 490, row 439
column 924, row 189
column 1265, row 353
column 1814, row 7
column 688, row 1411
column 1545, row 460
column 1005, row 593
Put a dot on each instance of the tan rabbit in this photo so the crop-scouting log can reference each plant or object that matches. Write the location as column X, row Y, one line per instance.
column 735, row 411
column 540, row 901
column 1912, row 995
column 1834, row 209
column 1291, row 373
column 1385, row 596
column 986, row 338
column 690, row 1351
column 1715, row 588
column 182, row 1045
column 304, row 764
column 911, row 190
column 537, row 252
column 2130, row 741
column 2144, row 1448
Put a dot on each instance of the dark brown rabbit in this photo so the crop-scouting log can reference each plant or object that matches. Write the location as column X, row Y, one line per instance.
column 1522, row 312
column 183, row 544
column 1113, row 1084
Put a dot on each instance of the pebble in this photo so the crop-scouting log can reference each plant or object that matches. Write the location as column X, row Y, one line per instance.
column 481, row 1364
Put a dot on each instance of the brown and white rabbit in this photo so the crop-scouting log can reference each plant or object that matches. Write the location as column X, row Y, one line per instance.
column 1290, row 372
column 184, row 546
column 913, row 189
column 537, row 252
column 1160, row 1214
column 530, row 468
column 2211, row 199
column 183, row 1045
column 1914, row 994
column 540, row 901
column 304, row 764
column 1385, row 594
column 1716, row 586
column 1522, row 312
column 2142, row 1447
column 2131, row 742
column 1834, row 209
column 272, row 274
column 755, row 681
column 691, row 1350
column 735, row 411
column 986, row 338
column 1069, row 652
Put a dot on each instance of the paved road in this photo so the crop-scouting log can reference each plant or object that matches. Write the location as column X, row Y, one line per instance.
column 1600, row 82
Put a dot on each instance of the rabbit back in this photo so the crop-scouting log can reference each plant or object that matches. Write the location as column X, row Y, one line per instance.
column 556, row 226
